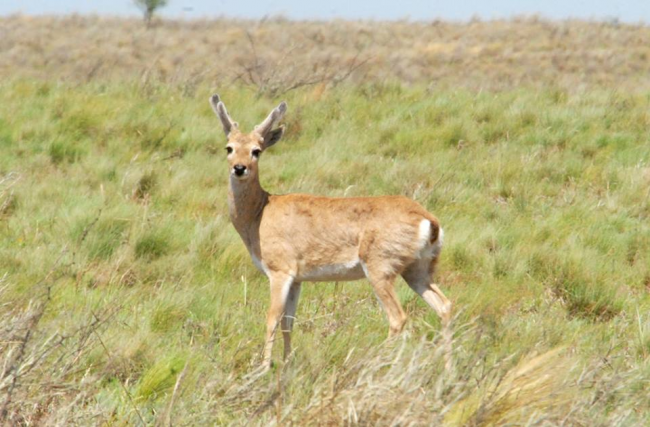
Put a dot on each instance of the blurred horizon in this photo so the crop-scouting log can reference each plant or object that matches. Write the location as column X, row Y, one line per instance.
column 627, row 11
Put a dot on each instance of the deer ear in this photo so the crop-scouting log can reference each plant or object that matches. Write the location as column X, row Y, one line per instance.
column 273, row 136
column 264, row 128
column 219, row 109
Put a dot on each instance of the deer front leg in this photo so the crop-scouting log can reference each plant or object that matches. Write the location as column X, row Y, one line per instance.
column 280, row 287
column 384, row 287
column 291, row 305
column 396, row 317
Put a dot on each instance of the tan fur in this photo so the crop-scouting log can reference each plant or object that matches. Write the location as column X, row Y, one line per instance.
column 299, row 237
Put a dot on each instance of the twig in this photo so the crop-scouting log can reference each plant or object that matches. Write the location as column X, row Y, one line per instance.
column 255, row 57
column 89, row 227
column 13, row 369
column 126, row 392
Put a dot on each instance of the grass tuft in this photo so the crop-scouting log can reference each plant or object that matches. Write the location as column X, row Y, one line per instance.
column 160, row 377
column 64, row 152
column 153, row 244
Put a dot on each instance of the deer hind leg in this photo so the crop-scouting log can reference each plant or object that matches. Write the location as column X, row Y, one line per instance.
column 419, row 278
column 291, row 305
column 384, row 287
column 281, row 285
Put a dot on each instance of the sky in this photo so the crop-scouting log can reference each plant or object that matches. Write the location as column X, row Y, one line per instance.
column 631, row 11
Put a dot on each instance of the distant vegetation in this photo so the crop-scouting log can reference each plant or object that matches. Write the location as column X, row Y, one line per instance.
column 128, row 298
column 273, row 55
column 149, row 8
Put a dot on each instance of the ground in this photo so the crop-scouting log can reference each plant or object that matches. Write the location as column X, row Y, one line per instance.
column 129, row 298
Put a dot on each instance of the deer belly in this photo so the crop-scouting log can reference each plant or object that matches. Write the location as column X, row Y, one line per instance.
column 331, row 272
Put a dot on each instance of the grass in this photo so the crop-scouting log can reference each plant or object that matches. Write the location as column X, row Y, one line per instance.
column 132, row 297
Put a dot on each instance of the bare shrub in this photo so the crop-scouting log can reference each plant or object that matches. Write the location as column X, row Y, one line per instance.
column 274, row 75
column 40, row 381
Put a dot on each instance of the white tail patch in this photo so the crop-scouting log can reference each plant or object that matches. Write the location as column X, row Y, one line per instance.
column 426, row 249
column 424, row 233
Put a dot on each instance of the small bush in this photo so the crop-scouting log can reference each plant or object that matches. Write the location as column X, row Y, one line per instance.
column 110, row 235
column 152, row 245
column 165, row 317
column 460, row 258
column 149, row 7
column 160, row 377
column 145, row 185
column 63, row 152
column 452, row 133
column 594, row 301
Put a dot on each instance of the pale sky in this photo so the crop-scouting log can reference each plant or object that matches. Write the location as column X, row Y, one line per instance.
column 632, row 11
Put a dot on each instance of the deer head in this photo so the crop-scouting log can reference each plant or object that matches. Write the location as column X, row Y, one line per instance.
column 244, row 149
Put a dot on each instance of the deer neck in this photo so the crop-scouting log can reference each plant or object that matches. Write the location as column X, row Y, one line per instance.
column 246, row 200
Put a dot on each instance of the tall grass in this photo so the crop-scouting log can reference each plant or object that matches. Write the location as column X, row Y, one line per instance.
column 128, row 297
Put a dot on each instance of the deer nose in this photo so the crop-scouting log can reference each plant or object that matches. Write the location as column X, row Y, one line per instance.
column 239, row 170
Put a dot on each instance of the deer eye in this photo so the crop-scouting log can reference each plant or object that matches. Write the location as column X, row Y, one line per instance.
column 229, row 150
column 256, row 152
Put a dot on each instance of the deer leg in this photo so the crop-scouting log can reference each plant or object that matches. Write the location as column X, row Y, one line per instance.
column 384, row 287
column 289, row 316
column 418, row 278
column 434, row 297
column 280, row 287
column 442, row 303
column 444, row 311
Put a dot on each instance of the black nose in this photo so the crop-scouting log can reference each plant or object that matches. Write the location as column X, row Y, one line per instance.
column 239, row 170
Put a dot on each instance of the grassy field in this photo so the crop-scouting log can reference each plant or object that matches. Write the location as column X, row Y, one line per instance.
column 128, row 298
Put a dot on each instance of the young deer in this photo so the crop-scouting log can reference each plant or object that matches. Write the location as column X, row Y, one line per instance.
column 294, row 238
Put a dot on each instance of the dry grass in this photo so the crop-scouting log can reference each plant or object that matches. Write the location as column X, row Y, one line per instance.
column 276, row 54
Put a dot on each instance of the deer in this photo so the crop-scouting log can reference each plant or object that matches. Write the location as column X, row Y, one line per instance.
column 295, row 238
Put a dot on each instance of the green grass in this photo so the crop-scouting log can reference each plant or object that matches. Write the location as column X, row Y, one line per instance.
column 113, row 195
